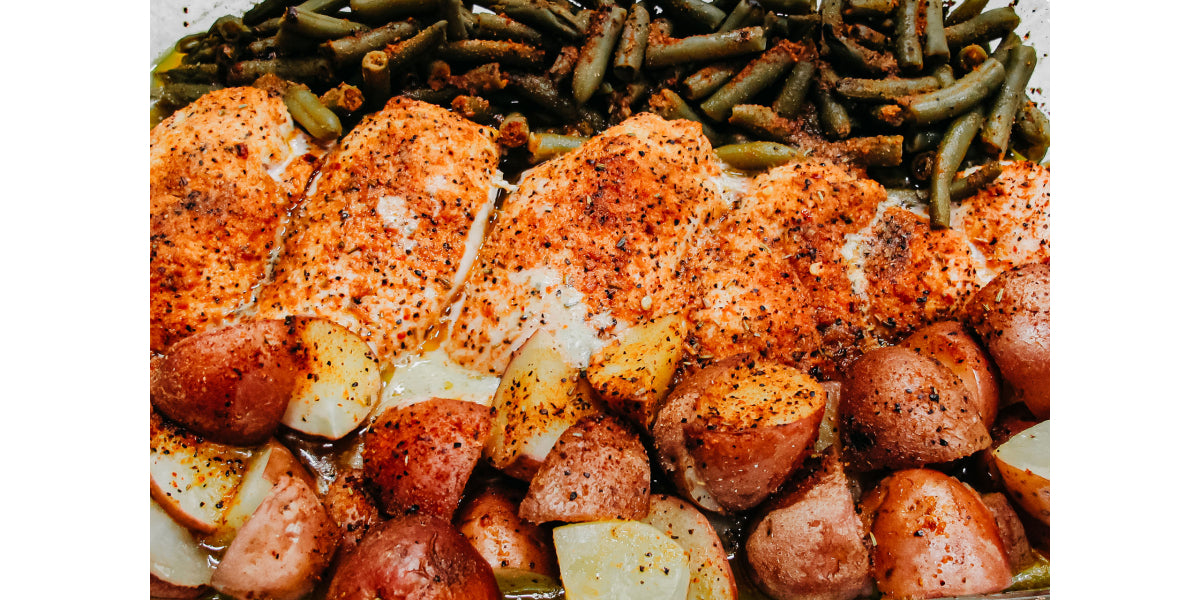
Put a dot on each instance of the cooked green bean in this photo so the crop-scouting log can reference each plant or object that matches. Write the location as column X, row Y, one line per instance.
column 307, row 110
column 762, row 121
column 631, row 49
column 995, row 23
column 262, row 47
column 998, row 125
column 709, row 79
column 956, row 99
column 230, row 29
column 921, row 141
column 754, row 78
column 887, row 114
column 500, row 27
column 831, row 14
column 265, row 10
column 950, row 154
column 920, row 166
column 936, row 48
column 1005, row 46
column 965, row 11
column 795, row 88
column 790, row 7
column 835, row 120
column 325, row 7
column 199, row 73
column 908, row 43
column 180, row 94
column 432, row 96
column 516, row 584
column 870, row 8
column 1033, row 577
column 475, row 108
column 540, row 14
column 513, row 54
column 697, row 12
column 383, row 11
column 858, row 57
column 668, row 105
column 595, row 55
column 314, row 70
column 350, row 50
column 513, row 131
column 268, row 27
column 971, row 56
column 188, row 43
column 377, row 77
column 706, row 47
column 965, row 186
column 945, row 75
column 868, row 37
column 874, row 151
column 1032, row 125
column 544, row 146
column 457, row 19
column 343, row 99
column 739, row 16
column 401, row 53
column 882, row 90
column 202, row 54
column 756, row 156
column 318, row 26
column 541, row 91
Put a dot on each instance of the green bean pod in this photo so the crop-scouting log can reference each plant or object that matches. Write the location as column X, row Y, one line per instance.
column 762, row 121
column 936, row 48
column 795, row 88
column 457, row 20
column 756, row 156
column 956, row 99
column 705, row 47
column 965, row 186
column 325, row 7
column 890, row 115
column 1005, row 46
column 869, row 9
column 631, row 49
column 383, row 11
column 343, row 99
column 475, row 108
column 868, row 37
column 921, row 141
column 709, row 79
column 908, row 44
column 513, row 131
column 513, row 54
column 262, row 47
column 264, row 10
column 318, row 26
column 307, row 110
column 404, row 52
column 670, row 106
column 945, row 75
column 268, row 27
column 884, row 90
column 199, row 73
column 545, row 146
column 377, row 77
column 350, row 50
column 594, row 57
column 1032, row 124
column 790, row 7
column 1033, row 577
column 738, row 16
column 995, row 23
column 965, row 11
column 555, row 18
column 697, row 12
column 835, row 119
column 499, row 27
column 541, row 91
column 874, row 151
column 314, row 70
column 971, row 56
column 950, row 154
column 997, row 127
column 439, row 96
column 180, row 94
column 230, row 29
column 754, row 78
column 190, row 43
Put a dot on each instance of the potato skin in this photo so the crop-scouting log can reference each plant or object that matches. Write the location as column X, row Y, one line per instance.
column 231, row 385
column 900, row 409
column 420, row 456
column 1012, row 532
column 490, row 523
column 1011, row 314
column 413, row 557
column 282, row 550
column 597, row 470
column 351, row 508
column 809, row 543
column 934, row 537
column 170, row 591
column 949, row 343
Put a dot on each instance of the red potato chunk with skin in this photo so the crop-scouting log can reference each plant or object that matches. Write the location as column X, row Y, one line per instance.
column 597, row 470
column 419, row 457
column 351, row 508
column 933, row 537
column 1012, row 532
column 413, row 557
column 490, row 522
column 949, row 343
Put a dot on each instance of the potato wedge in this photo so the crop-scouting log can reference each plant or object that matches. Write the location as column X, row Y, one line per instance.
column 177, row 561
column 539, row 397
column 620, row 559
column 711, row 576
column 340, row 384
column 828, row 435
column 597, row 470
column 1024, row 465
column 490, row 523
column 413, row 556
column 268, row 465
column 949, row 343
column 632, row 375
column 193, row 479
column 1012, row 532
column 282, row 549
column 351, row 508
column 162, row 590
column 420, row 456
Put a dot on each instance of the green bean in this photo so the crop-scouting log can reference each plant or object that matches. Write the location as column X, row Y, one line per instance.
column 350, row 50
column 868, row 37
column 882, row 90
column 855, row 55
column 887, row 114
column 513, row 54
column 754, row 78
column 945, row 75
column 795, row 88
column 936, row 48
column 1005, row 46
column 971, row 56
column 203, row 54
column 475, row 108
column 921, row 141
column 377, row 77
column 920, row 166
column 908, row 43
column 538, row 13
column 739, row 16
column 303, row 70
column 500, row 27
column 268, row 27
column 1033, row 577
column 594, row 57
column 262, row 47
column 513, row 131
column 314, row 25
column 965, row 11
column 873, row 151
column 950, row 154
column 401, row 53
column 756, row 156
column 790, row 7
column 541, row 91
column 792, row 27
column 668, row 105
column 325, row 7
column 199, row 73
column 831, row 14
column 965, row 186
column 631, row 49
column 544, row 146
column 995, row 23
column 709, row 79
column 188, row 43
column 697, row 12
column 870, row 8
column 706, row 47
column 383, row 11
column 456, row 20
column 290, row 41
column 525, row 585
column 230, row 29
column 999, row 123
column 432, row 96
column 343, row 99
column 264, row 10
column 763, row 122
column 1032, row 125
column 835, row 120
column 306, row 108
column 956, row 99
column 180, row 94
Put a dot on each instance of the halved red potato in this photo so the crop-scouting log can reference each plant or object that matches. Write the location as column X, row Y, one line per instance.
column 413, row 557
column 350, row 507
column 268, row 465
column 597, row 470
column 489, row 521
column 949, row 343
column 1012, row 532
column 420, row 456
column 632, row 375
column 933, row 537
column 708, row 563
column 193, row 479
column 1024, row 465
column 340, row 382
column 620, row 559
column 809, row 543
column 282, row 549
column 731, row 433
column 179, row 567
column 539, row 397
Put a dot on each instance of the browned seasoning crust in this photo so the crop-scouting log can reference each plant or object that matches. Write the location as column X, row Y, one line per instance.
column 377, row 243
column 215, row 209
column 1009, row 221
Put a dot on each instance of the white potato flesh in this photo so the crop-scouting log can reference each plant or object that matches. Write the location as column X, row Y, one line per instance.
column 341, row 383
column 193, row 479
column 711, row 576
column 250, row 494
column 175, row 556
column 637, row 367
column 620, row 560
column 1024, row 465
column 828, row 433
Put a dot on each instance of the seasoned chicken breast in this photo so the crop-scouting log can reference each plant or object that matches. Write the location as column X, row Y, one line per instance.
column 590, row 242
column 224, row 171
column 389, row 227
column 1009, row 221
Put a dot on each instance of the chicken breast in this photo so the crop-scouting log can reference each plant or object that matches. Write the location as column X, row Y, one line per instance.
column 591, row 242
column 224, row 171
column 1009, row 221
column 389, row 227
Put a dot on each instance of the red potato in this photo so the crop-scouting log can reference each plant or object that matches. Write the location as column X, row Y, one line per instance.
column 490, row 522
column 170, row 591
column 949, row 343
column 281, row 551
column 711, row 575
column 934, row 537
column 1024, row 466
column 413, row 557
column 420, row 456
column 193, row 479
column 179, row 566
column 632, row 375
column 808, row 543
column 268, row 465
column 1012, row 532
column 351, row 508
column 597, row 470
